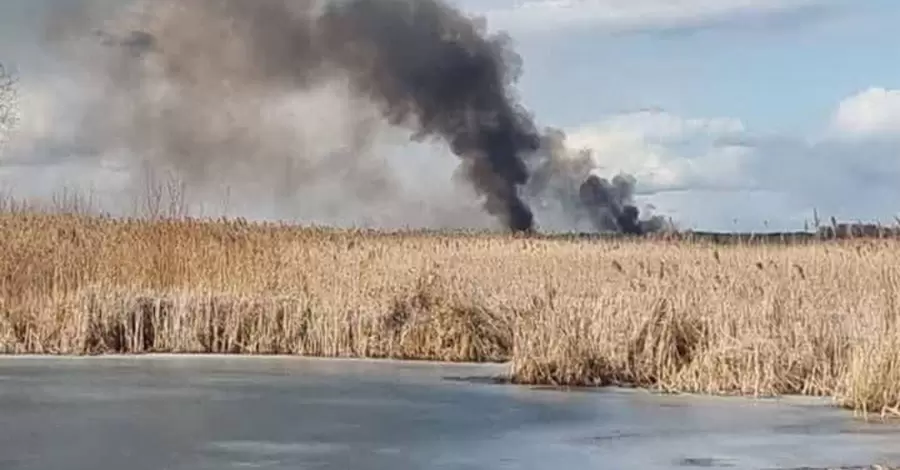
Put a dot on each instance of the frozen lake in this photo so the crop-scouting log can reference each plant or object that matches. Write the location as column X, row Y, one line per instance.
column 285, row 413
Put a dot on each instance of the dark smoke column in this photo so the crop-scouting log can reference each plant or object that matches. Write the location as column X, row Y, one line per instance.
column 430, row 67
column 606, row 206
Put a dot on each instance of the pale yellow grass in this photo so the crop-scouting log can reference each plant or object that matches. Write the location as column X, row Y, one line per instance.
column 817, row 319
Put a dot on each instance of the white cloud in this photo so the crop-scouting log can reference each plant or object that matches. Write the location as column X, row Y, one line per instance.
column 544, row 15
column 664, row 150
column 873, row 112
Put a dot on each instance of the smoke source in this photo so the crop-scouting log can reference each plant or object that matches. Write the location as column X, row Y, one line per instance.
column 185, row 86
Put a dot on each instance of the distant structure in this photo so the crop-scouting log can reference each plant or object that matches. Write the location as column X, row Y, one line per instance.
column 857, row 230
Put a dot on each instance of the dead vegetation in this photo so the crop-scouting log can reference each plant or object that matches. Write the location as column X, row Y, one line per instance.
column 815, row 318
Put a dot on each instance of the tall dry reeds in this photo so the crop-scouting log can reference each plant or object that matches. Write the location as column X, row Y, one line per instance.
column 809, row 318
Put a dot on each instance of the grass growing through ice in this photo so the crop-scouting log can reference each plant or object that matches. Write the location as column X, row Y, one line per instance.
column 808, row 318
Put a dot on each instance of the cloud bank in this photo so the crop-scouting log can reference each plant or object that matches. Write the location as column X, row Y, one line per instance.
column 714, row 173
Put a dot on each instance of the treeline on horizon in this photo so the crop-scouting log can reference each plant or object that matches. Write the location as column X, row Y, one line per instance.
column 834, row 232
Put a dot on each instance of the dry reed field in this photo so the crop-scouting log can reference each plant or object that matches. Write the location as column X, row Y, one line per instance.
column 817, row 318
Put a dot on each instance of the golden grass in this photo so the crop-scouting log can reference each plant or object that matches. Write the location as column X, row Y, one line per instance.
column 810, row 318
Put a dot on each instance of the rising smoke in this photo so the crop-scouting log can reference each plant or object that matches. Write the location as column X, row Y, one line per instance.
column 206, row 88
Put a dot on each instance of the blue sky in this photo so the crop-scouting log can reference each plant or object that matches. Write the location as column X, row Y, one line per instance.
column 779, row 70
column 732, row 114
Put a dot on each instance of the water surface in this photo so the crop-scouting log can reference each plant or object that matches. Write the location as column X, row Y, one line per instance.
column 287, row 413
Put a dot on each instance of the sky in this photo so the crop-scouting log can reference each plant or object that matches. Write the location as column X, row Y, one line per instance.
column 731, row 114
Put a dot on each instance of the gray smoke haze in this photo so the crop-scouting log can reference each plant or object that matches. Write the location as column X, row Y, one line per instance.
column 286, row 95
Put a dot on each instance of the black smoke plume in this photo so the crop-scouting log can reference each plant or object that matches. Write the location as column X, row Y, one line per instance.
column 607, row 205
column 183, row 72
column 568, row 179
column 426, row 61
